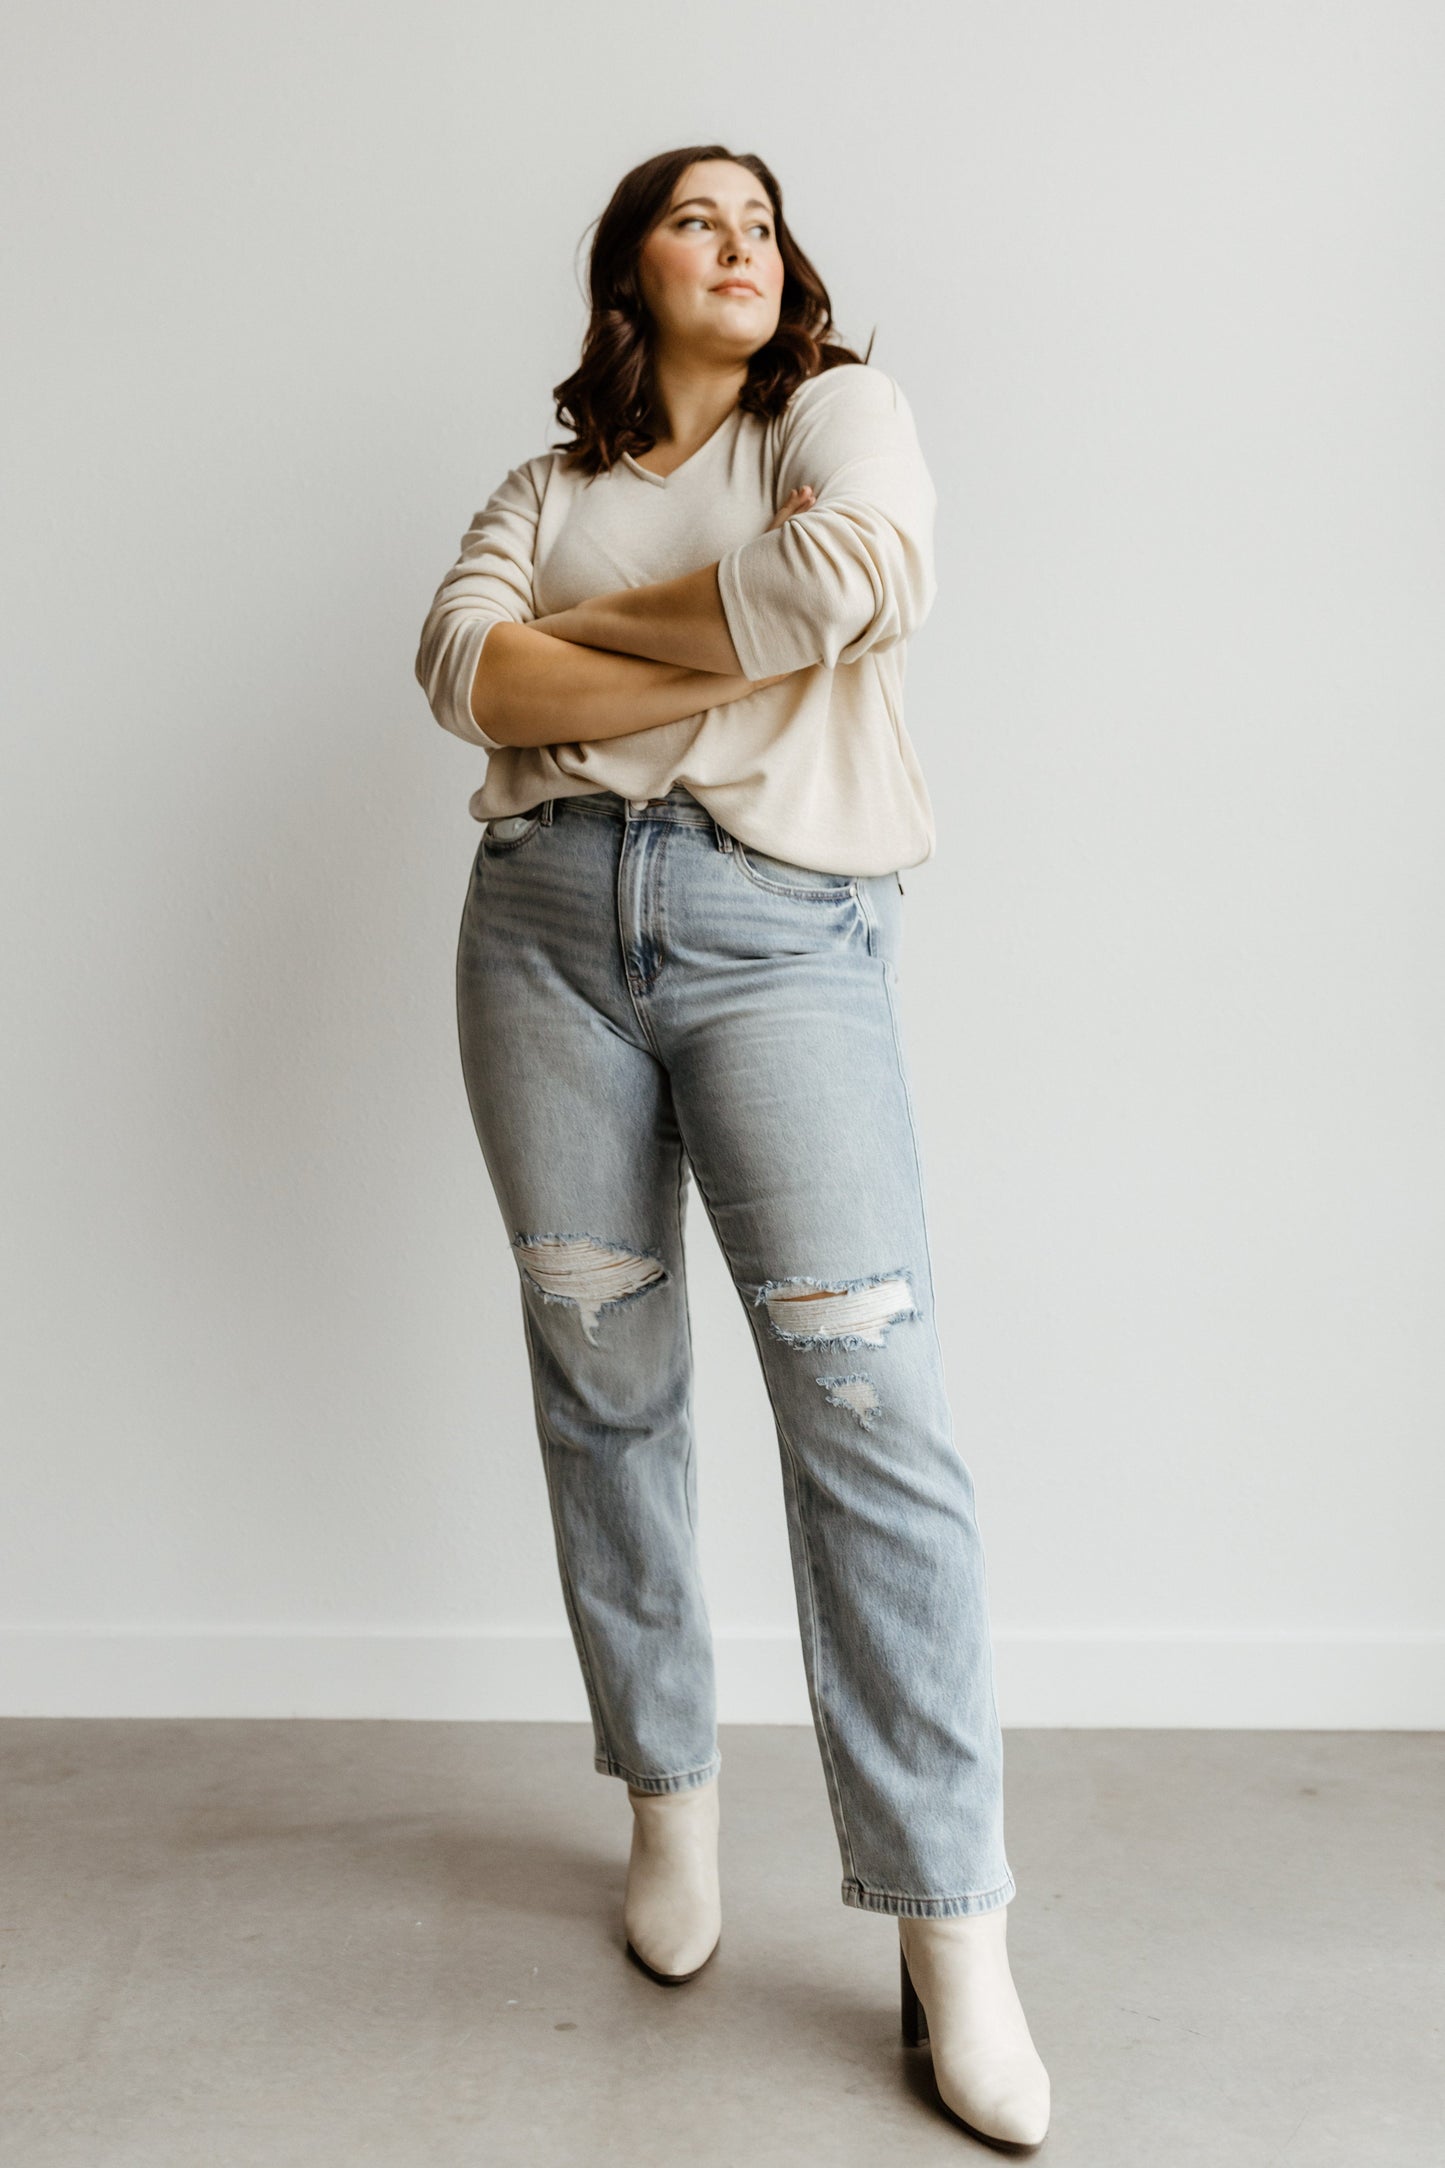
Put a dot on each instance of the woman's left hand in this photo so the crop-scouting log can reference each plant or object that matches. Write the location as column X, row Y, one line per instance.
column 799, row 501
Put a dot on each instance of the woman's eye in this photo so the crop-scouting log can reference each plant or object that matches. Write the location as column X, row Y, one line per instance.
column 695, row 218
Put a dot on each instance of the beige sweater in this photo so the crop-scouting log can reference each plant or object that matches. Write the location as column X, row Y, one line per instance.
column 819, row 768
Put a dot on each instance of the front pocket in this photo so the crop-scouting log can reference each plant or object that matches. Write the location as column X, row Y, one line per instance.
column 510, row 831
column 780, row 877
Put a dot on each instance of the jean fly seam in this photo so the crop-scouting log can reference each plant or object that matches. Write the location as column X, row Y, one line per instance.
column 865, row 912
column 643, row 1025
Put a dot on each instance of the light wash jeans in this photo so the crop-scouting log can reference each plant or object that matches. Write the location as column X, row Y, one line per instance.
column 639, row 994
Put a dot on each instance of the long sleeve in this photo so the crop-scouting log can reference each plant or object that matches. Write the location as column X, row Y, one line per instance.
column 854, row 572
column 491, row 580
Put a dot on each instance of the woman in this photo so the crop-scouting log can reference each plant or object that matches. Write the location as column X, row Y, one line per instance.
column 681, row 639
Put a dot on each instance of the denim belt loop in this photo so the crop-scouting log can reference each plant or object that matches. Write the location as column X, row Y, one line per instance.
column 720, row 835
column 547, row 805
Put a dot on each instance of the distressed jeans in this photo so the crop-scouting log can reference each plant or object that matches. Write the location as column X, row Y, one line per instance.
column 639, row 997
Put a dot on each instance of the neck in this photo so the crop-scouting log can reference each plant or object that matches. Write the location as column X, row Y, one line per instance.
column 692, row 397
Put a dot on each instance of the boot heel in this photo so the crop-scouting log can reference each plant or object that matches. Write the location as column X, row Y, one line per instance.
column 915, row 2019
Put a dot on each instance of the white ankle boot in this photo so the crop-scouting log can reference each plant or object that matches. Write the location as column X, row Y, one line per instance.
column 959, row 1995
column 673, row 1908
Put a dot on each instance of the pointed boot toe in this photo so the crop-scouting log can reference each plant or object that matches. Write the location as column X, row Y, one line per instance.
column 985, row 2065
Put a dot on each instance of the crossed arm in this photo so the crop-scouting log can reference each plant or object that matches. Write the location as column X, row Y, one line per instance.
column 615, row 664
column 677, row 621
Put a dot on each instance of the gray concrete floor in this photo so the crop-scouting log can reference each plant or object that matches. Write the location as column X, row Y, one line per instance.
column 365, row 1943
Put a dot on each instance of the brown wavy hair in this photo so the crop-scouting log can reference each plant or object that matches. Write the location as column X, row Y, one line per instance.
column 608, row 401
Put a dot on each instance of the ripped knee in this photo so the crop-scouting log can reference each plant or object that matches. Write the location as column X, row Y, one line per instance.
column 837, row 1313
column 584, row 1271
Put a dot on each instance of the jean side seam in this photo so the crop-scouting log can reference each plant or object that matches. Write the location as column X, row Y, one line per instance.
column 896, row 1032
column 689, row 1469
column 814, row 1610
column 820, row 1713
column 902, row 1068
column 569, row 1593
column 687, row 1413
column 544, row 1430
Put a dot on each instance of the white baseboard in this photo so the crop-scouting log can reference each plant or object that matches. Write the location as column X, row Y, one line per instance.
column 1227, row 1681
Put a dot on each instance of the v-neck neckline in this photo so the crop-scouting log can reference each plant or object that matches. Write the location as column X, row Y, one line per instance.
column 692, row 458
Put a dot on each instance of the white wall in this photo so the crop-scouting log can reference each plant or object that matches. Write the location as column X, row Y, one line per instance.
column 288, row 288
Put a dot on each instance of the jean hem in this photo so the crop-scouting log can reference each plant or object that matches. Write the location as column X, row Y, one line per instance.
column 927, row 1908
column 681, row 1780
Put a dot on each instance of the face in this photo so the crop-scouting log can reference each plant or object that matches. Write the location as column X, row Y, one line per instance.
column 718, row 228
